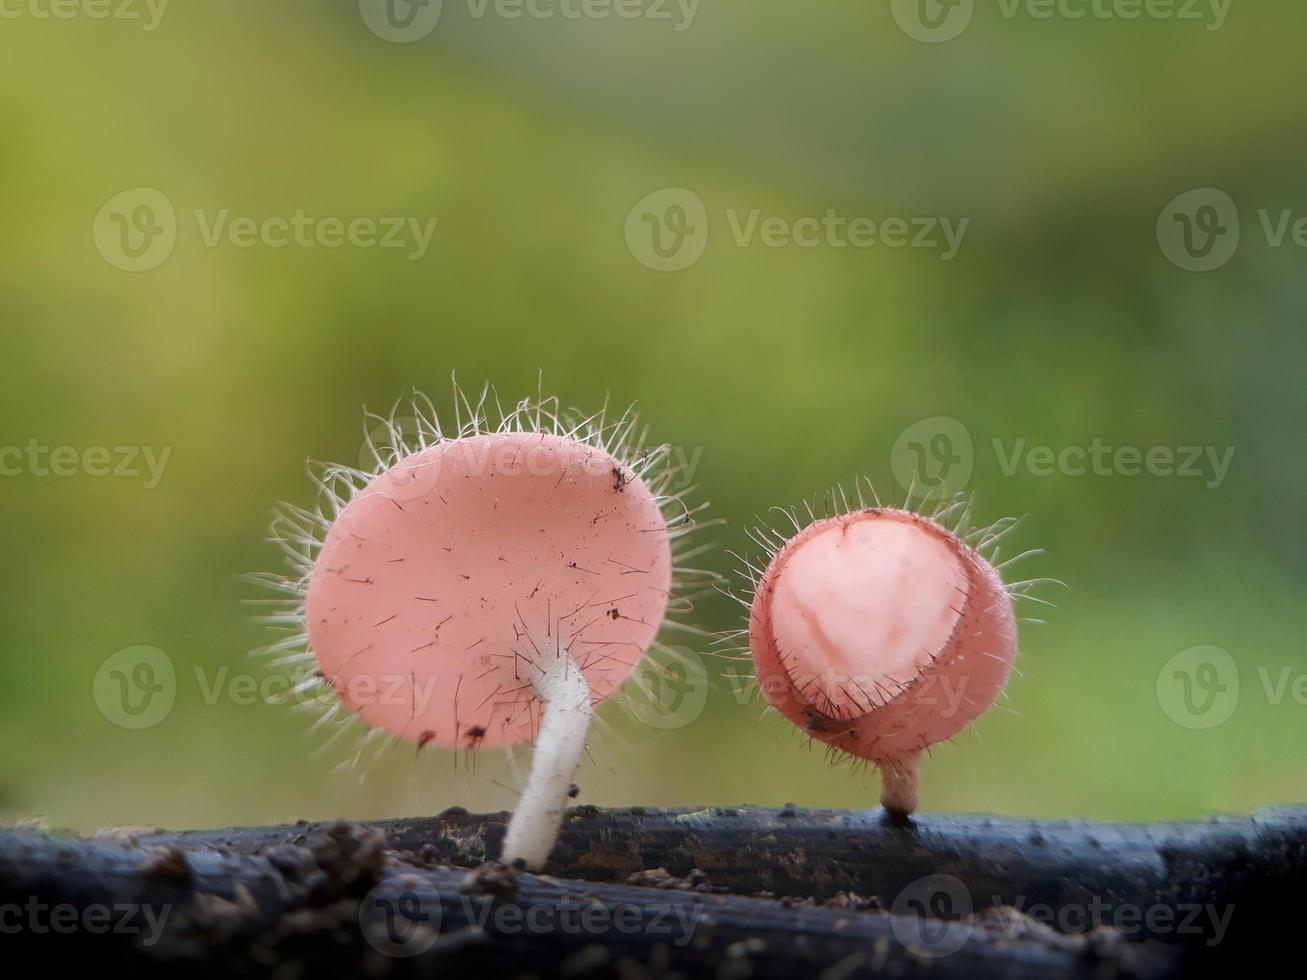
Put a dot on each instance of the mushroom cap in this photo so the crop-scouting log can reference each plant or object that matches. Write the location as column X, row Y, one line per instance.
column 881, row 633
column 454, row 570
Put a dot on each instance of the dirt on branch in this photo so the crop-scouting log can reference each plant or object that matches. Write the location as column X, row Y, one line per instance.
column 731, row 893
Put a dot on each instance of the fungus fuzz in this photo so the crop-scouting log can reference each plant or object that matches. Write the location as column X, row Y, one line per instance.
column 881, row 632
column 486, row 586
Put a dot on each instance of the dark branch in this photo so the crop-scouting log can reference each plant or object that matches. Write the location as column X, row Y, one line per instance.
column 317, row 896
column 820, row 853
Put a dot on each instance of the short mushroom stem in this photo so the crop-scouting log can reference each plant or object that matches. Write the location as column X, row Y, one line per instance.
column 898, row 786
column 534, row 826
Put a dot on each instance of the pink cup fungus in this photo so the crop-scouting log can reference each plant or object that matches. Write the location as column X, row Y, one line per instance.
column 882, row 632
column 487, row 587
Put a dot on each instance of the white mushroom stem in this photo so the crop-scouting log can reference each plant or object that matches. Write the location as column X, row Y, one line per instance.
column 898, row 785
column 533, row 829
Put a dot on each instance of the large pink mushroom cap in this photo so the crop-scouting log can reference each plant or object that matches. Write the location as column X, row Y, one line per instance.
column 446, row 578
column 881, row 633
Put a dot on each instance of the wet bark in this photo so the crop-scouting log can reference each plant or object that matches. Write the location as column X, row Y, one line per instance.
column 743, row 892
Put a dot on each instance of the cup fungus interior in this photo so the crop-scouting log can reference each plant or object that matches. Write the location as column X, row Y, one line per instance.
column 881, row 633
column 861, row 606
column 441, row 581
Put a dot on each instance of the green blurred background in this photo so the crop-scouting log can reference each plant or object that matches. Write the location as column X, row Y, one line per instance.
column 1059, row 321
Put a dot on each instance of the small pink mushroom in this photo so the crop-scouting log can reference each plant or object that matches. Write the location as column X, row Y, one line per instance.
column 490, row 588
column 881, row 633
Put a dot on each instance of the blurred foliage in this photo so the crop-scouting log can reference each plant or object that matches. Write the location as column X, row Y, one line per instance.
column 1059, row 321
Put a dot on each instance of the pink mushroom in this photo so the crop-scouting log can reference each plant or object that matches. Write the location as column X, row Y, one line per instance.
column 882, row 632
column 490, row 586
